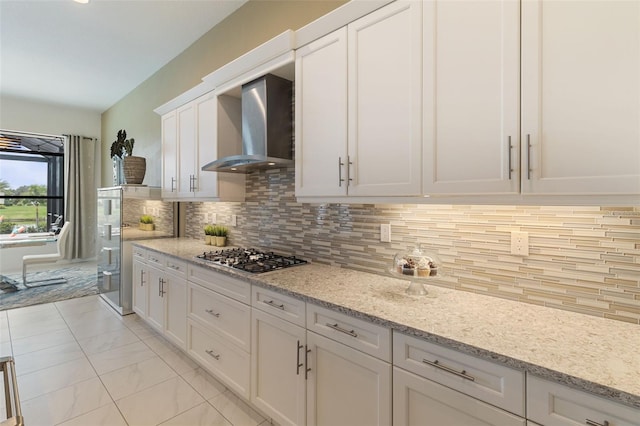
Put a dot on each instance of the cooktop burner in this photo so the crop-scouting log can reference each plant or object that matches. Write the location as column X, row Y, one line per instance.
column 250, row 260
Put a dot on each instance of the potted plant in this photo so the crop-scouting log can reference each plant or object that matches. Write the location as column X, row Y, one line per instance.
column 146, row 222
column 221, row 236
column 134, row 167
column 208, row 234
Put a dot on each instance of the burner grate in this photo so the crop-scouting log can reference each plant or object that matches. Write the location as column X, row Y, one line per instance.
column 250, row 259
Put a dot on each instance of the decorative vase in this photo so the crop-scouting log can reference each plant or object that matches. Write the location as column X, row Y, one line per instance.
column 134, row 169
column 221, row 241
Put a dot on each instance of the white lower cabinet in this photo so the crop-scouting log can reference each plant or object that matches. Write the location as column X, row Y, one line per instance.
column 419, row 401
column 219, row 326
column 345, row 386
column 553, row 404
column 278, row 385
column 434, row 385
column 175, row 324
column 155, row 302
column 300, row 377
column 225, row 360
column 160, row 295
column 140, row 282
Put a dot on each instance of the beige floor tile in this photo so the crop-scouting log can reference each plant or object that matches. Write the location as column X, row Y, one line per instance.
column 48, row 357
column 50, row 379
column 201, row 415
column 159, row 403
column 43, row 341
column 134, row 378
column 235, row 410
column 109, row 415
column 107, row 341
column 123, row 356
column 205, row 384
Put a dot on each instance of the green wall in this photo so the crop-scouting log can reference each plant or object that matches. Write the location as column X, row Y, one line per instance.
column 251, row 25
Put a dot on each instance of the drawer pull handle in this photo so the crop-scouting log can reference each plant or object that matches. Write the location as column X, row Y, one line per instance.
column 272, row 303
column 210, row 312
column 299, row 364
column 306, row 362
column 213, row 354
column 336, row 327
column 462, row 373
column 592, row 423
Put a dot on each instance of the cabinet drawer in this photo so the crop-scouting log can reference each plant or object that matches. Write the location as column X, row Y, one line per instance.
column 226, row 316
column 553, row 404
column 139, row 253
column 421, row 401
column 155, row 259
column 230, row 287
column 490, row 382
column 175, row 266
column 362, row 335
column 225, row 360
column 279, row 305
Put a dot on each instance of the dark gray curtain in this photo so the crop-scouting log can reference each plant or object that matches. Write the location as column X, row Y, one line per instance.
column 81, row 157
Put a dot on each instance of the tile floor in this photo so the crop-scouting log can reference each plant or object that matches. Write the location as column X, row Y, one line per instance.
column 79, row 363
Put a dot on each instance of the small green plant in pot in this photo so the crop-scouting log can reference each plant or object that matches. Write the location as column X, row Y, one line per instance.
column 146, row 222
column 221, row 233
column 209, row 234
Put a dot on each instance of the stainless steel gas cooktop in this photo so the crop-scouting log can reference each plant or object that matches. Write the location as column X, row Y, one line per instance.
column 250, row 260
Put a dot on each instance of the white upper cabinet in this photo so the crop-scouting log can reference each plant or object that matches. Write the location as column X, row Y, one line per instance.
column 471, row 96
column 385, row 85
column 186, row 116
column 321, row 116
column 581, row 97
column 190, row 138
column 169, row 132
column 362, row 138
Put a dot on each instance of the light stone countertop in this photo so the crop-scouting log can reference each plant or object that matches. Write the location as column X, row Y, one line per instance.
column 133, row 233
column 593, row 354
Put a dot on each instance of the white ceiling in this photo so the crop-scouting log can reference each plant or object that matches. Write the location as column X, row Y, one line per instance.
column 91, row 55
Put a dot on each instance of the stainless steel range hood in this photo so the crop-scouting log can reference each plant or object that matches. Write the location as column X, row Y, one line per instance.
column 267, row 128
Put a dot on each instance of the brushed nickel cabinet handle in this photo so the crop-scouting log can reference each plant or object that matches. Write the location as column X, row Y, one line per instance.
column 592, row 423
column 273, row 304
column 210, row 312
column 336, row 327
column 213, row 354
column 510, row 152
column 141, row 277
column 528, row 157
column 340, row 164
column 173, row 181
column 462, row 373
column 298, row 363
column 349, row 164
column 306, row 362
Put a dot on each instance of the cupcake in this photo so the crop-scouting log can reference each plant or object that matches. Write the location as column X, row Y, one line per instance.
column 424, row 267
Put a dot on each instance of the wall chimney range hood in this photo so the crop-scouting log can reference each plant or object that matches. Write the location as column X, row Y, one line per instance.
column 267, row 128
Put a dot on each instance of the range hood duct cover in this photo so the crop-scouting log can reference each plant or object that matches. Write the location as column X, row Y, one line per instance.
column 267, row 128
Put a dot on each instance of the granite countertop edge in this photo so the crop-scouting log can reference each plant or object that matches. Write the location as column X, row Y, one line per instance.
column 269, row 281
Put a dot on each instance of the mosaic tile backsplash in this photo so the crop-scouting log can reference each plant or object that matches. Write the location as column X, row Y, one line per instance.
column 161, row 211
column 582, row 259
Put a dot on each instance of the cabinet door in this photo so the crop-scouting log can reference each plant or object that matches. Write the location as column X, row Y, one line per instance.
column 140, row 283
column 385, row 97
column 321, row 116
column 553, row 404
column 155, row 306
column 277, row 368
column 186, row 116
column 345, row 386
column 175, row 289
column 169, row 155
column 418, row 401
column 206, row 111
column 581, row 97
column 471, row 96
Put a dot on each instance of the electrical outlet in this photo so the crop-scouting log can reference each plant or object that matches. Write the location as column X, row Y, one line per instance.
column 519, row 243
column 234, row 220
column 385, row 232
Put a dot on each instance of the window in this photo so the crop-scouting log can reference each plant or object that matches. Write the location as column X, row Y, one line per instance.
column 31, row 182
